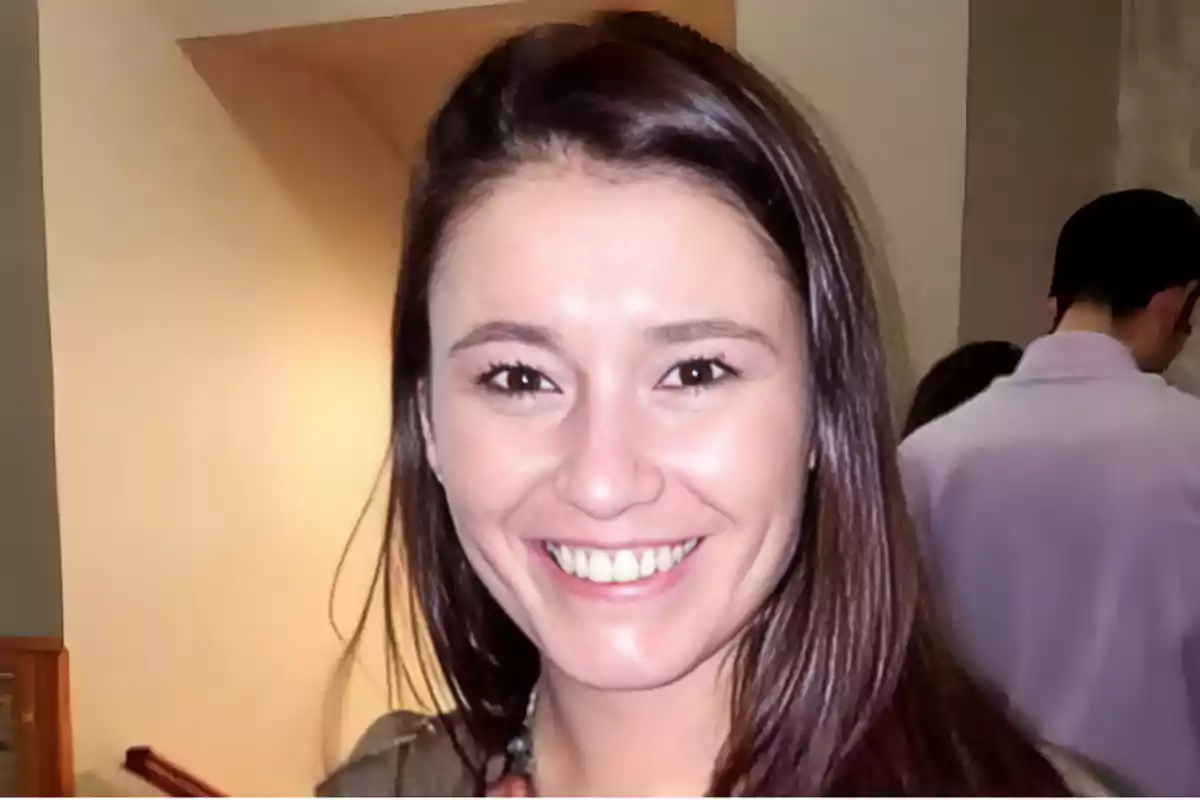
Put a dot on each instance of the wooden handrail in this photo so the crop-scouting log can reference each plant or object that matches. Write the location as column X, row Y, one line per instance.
column 166, row 776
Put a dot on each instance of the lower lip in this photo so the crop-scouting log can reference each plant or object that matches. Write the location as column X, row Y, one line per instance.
column 658, row 583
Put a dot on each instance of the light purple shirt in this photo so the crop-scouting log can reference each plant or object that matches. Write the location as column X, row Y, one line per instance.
column 1061, row 514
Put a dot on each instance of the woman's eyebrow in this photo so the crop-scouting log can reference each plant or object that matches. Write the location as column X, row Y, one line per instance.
column 680, row 332
column 507, row 331
column 716, row 328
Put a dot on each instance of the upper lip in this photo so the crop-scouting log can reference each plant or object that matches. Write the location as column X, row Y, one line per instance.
column 609, row 545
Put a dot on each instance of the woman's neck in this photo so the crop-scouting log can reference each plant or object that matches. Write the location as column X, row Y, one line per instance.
column 662, row 741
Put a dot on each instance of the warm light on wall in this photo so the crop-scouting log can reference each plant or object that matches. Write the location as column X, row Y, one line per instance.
column 222, row 225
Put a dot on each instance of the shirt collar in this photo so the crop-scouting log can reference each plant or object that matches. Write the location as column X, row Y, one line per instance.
column 1075, row 354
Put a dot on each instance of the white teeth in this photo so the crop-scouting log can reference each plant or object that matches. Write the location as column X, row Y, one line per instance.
column 599, row 567
column 664, row 560
column 648, row 565
column 625, row 567
column 619, row 566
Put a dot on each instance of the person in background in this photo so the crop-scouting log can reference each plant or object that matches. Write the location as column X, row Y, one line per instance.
column 1062, row 506
column 958, row 377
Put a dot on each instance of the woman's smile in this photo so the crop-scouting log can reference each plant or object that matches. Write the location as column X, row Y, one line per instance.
column 620, row 565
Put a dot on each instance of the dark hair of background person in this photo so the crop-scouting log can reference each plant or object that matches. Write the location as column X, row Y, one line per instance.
column 842, row 682
column 1122, row 248
column 958, row 377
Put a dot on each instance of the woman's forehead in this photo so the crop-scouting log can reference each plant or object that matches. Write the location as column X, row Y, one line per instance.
column 568, row 241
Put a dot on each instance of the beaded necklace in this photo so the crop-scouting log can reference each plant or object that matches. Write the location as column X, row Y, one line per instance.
column 517, row 779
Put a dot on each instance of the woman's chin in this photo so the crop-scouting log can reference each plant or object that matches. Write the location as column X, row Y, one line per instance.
column 607, row 668
column 623, row 678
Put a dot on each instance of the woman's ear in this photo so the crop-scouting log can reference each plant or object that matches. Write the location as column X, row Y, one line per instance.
column 427, row 427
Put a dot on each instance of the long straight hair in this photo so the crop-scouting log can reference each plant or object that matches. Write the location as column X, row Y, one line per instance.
column 842, row 684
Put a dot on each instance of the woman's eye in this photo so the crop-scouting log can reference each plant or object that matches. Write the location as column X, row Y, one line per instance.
column 697, row 373
column 516, row 379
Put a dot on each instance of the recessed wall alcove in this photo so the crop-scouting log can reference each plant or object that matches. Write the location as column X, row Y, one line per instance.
column 337, row 110
column 275, row 178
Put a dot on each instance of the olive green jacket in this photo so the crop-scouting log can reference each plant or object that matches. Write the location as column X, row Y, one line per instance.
column 407, row 755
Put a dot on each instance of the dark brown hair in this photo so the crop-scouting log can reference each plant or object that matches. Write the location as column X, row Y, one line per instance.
column 957, row 377
column 840, row 683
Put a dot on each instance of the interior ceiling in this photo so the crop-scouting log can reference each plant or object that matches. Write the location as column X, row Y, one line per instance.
column 397, row 69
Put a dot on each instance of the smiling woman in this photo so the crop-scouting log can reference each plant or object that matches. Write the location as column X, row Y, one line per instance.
column 612, row 350
column 644, row 485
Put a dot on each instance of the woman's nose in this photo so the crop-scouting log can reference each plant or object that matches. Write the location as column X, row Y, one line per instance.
column 605, row 468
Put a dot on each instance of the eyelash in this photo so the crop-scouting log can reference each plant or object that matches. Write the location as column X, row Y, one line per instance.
column 716, row 362
column 487, row 380
column 496, row 369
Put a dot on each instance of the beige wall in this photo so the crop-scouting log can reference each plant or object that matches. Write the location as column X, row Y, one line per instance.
column 1041, row 141
column 221, row 228
column 216, row 17
column 221, row 257
column 1160, row 117
column 889, row 81
column 30, row 574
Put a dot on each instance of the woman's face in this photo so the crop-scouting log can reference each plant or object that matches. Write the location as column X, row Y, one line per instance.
column 617, row 412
